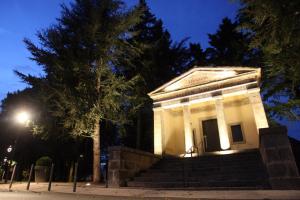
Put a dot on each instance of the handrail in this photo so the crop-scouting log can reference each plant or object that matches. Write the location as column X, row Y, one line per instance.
column 191, row 150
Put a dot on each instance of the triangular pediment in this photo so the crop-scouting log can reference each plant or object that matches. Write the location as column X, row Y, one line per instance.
column 203, row 75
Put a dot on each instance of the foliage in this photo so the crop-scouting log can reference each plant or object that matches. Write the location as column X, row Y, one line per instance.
column 229, row 46
column 198, row 56
column 78, row 56
column 274, row 26
column 44, row 161
column 158, row 61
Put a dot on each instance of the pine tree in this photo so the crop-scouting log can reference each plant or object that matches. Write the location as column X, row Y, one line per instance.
column 79, row 56
column 198, row 55
column 229, row 46
column 158, row 61
column 274, row 26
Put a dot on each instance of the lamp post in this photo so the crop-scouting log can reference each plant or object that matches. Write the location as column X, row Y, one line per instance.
column 22, row 118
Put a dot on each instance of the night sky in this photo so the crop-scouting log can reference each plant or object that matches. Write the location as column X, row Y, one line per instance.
column 23, row 18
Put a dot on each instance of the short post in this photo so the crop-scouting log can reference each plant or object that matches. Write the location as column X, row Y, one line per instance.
column 75, row 177
column 30, row 176
column 106, row 171
column 50, row 178
column 12, row 176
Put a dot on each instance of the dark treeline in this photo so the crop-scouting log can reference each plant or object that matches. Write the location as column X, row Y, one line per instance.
column 101, row 60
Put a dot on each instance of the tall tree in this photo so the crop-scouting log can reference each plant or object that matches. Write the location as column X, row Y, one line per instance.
column 159, row 60
column 229, row 46
column 274, row 26
column 79, row 54
column 197, row 55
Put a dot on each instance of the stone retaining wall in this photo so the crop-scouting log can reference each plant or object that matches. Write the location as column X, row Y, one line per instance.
column 278, row 158
column 124, row 163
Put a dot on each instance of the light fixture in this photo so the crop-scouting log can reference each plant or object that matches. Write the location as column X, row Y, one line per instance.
column 9, row 149
column 23, row 117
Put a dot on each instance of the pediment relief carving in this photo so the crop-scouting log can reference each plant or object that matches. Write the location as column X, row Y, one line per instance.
column 200, row 78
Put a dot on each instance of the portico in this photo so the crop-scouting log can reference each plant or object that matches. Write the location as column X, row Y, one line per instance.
column 208, row 109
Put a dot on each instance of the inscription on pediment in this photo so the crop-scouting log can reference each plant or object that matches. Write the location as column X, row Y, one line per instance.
column 200, row 78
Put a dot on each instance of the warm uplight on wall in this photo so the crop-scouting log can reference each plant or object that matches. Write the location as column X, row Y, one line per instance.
column 224, row 143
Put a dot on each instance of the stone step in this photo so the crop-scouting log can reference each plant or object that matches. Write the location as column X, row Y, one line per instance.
column 201, row 161
column 200, row 178
column 203, row 170
column 177, row 184
column 243, row 170
column 208, row 165
column 245, row 156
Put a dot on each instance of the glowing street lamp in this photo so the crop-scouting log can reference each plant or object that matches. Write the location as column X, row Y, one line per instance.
column 23, row 117
column 9, row 149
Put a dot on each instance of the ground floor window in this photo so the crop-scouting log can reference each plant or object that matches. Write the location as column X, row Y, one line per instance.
column 237, row 133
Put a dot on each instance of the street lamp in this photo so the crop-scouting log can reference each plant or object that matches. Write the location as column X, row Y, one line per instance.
column 23, row 117
column 9, row 149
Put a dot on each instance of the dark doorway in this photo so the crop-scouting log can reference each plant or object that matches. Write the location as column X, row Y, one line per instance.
column 211, row 135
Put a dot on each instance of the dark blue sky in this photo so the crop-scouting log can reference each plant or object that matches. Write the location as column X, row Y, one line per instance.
column 19, row 19
column 23, row 18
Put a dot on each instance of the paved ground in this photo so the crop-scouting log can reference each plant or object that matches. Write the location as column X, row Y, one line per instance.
column 56, row 196
column 64, row 191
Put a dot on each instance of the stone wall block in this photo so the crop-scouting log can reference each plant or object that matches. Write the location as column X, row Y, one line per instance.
column 285, row 153
column 272, row 155
column 292, row 170
column 278, row 158
column 114, row 164
column 124, row 163
column 277, row 170
column 116, row 155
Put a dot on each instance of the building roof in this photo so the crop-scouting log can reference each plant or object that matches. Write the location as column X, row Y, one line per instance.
column 207, row 77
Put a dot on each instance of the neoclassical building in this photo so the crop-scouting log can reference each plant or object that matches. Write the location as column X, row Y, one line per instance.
column 208, row 109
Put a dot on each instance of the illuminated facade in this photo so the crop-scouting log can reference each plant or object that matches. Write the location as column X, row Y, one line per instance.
column 208, row 109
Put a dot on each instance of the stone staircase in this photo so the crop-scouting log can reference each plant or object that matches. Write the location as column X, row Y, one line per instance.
column 243, row 170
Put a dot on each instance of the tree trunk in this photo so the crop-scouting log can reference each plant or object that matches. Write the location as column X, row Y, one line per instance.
column 96, row 152
column 70, row 178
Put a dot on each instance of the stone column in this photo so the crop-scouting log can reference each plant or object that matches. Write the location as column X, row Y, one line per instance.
column 222, row 126
column 258, row 110
column 278, row 158
column 158, row 131
column 188, row 135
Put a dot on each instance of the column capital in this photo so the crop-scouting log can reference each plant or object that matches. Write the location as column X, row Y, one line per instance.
column 258, row 109
column 253, row 90
column 157, row 109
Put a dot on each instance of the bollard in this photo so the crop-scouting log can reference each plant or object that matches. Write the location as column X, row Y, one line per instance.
column 75, row 177
column 50, row 178
column 12, row 177
column 106, row 172
column 29, row 178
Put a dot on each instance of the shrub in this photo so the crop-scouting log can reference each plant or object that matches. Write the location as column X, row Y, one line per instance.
column 44, row 161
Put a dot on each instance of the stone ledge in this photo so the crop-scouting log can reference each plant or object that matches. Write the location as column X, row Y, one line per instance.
column 273, row 130
column 136, row 151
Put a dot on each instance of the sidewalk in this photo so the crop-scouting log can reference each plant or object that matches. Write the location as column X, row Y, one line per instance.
column 100, row 190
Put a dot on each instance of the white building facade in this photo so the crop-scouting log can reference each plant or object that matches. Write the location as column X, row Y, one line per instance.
column 208, row 109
